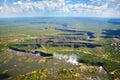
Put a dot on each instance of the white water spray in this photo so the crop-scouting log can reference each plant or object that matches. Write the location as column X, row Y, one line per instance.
column 68, row 58
column 100, row 69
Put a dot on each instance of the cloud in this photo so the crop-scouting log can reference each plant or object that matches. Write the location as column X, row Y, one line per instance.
column 65, row 9
column 41, row 5
column 18, row 3
column 98, row 8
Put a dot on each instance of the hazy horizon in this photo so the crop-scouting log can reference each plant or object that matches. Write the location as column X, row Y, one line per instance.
column 58, row 17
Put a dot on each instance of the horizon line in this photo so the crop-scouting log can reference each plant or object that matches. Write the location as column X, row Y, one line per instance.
column 57, row 17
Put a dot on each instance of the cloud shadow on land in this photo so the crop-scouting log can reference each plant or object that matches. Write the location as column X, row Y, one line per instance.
column 4, row 76
column 111, row 33
column 114, row 21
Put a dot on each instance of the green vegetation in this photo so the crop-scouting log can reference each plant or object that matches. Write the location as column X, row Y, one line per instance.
column 91, row 42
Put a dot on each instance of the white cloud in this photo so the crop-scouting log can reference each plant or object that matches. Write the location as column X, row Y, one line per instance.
column 18, row 3
column 97, row 7
column 65, row 9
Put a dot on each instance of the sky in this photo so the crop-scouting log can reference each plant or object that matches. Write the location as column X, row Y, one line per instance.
column 60, row 8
